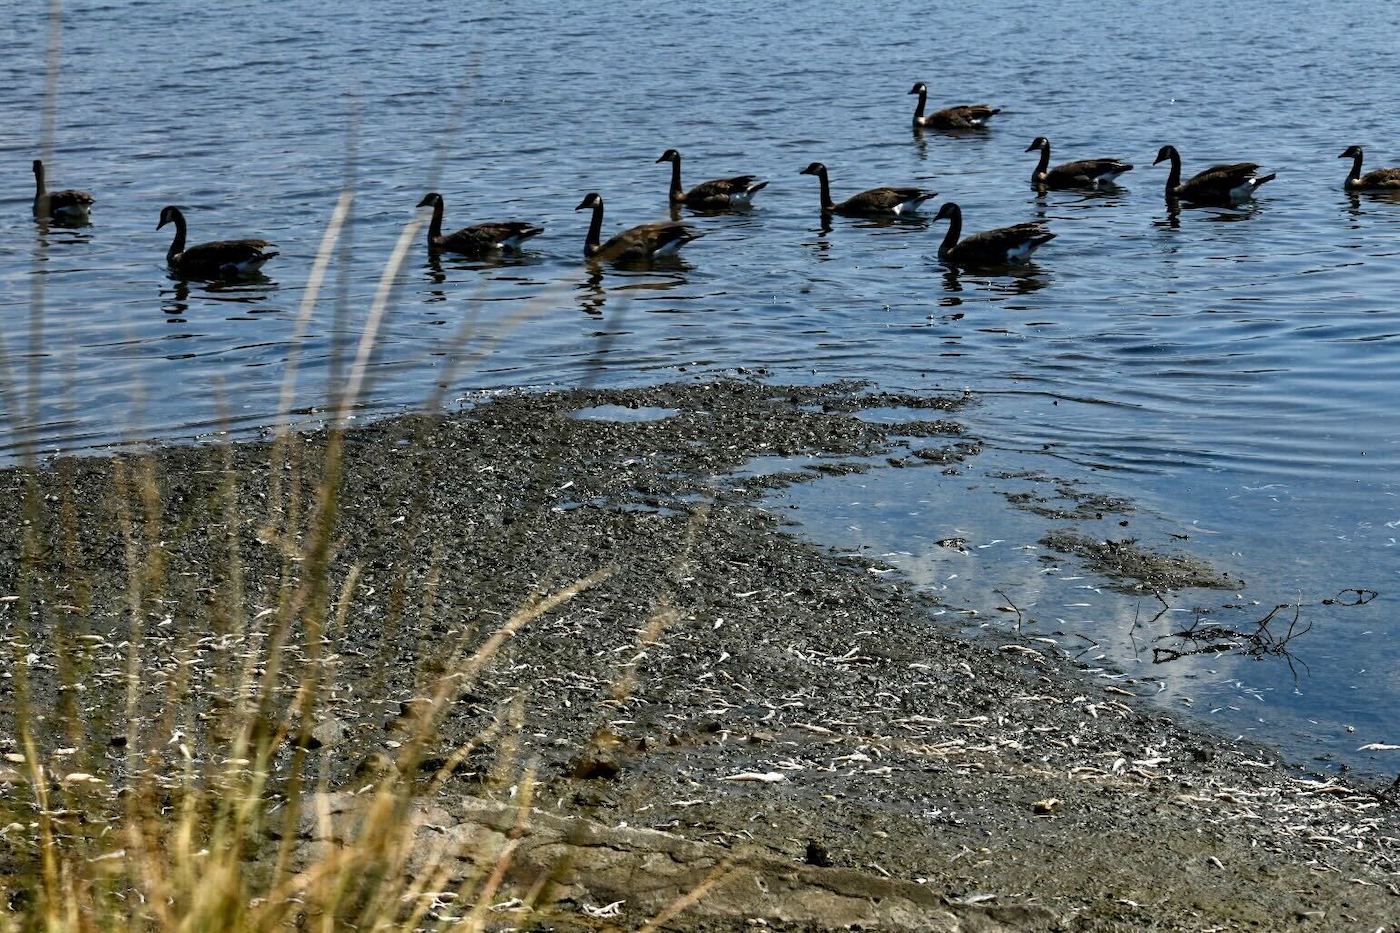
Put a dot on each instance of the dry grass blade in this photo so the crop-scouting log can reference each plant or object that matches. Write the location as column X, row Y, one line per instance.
column 690, row 899
column 309, row 298
column 487, row 893
column 369, row 336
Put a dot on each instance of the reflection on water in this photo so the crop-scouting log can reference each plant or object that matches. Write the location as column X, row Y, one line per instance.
column 592, row 296
column 1236, row 376
column 1023, row 279
column 248, row 292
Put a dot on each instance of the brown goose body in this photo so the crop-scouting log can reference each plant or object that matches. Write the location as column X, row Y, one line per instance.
column 717, row 195
column 1085, row 173
column 1003, row 246
column 221, row 259
column 1381, row 179
column 877, row 202
column 639, row 243
column 69, row 205
column 1226, row 184
column 478, row 239
column 963, row 117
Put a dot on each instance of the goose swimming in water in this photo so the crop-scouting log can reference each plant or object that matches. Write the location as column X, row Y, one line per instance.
column 963, row 117
column 478, row 239
column 1086, row 173
column 717, row 195
column 1226, row 185
column 1000, row 247
column 877, row 202
column 1380, row 179
column 644, row 241
column 67, row 206
column 222, row 259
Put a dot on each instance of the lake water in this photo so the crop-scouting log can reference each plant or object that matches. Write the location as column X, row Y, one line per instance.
column 1233, row 372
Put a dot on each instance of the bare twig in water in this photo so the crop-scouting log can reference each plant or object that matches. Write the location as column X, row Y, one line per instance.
column 1013, row 607
column 1204, row 636
column 1132, row 632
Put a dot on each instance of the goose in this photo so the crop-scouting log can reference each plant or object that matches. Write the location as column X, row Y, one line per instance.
column 645, row 241
column 222, row 259
column 1219, row 184
column 717, row 195
column 877, row 202
column 964, row 117
column 477, row 239
column 1381, row 179
column 999, row 247
column 71, row 205
column 1086, row 173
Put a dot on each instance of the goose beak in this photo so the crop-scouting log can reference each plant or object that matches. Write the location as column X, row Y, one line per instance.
column 1344, row 154
column 1032, row 147
column 582, row 204
column 163, row 222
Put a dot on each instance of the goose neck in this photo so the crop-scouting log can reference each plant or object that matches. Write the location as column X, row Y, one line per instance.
column 950, row 239
column 1044, row 164
column 919, row 109
column 677, row 192
column 827, row 203
column 38, row 179
column 435, row 225
column 1174, row 175
column 177, row 246
column 1355, row 174
column 595, row 230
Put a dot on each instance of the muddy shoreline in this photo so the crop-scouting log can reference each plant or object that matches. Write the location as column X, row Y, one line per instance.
column 726, row 683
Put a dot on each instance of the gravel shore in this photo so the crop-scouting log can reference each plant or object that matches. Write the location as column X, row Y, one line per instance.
column 725, row 695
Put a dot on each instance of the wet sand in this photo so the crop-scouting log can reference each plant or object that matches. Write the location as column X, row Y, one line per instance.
column 788, row 712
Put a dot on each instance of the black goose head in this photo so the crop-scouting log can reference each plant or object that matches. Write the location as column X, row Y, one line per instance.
column 591, row 199
column 1352, row 152
column 947, row 211
column 170, row 214
column 1165, row 153
column 1040, row 143
column 38, row 167
column 670, row 155
column 816, row 168
column 431, row 199
column 919, row 88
